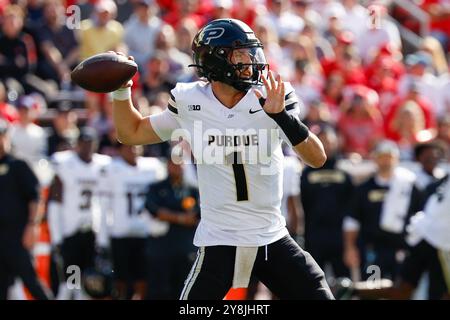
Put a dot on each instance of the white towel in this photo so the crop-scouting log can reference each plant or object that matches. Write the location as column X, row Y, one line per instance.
column 243, row 266
column 396, row 203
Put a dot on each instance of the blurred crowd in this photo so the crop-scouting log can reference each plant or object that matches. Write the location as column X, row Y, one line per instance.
column 361, row 87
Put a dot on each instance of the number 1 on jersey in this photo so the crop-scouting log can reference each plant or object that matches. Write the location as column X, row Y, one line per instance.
column 239, row 177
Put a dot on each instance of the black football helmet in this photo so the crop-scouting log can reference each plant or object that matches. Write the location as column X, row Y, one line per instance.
column 98, row 283
column 217, row 42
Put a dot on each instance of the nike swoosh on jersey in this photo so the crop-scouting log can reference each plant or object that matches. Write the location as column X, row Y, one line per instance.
column 254, row 111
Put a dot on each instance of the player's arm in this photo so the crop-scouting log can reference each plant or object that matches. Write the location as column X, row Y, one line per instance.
column 351, row 252
column 54, row 214
column 306, row 144
column 132, row 127
column 311, row 151
column 351, row 227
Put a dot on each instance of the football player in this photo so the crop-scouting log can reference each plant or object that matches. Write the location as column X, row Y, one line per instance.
column 235, row 120
column 124, row 185
column 74, row 204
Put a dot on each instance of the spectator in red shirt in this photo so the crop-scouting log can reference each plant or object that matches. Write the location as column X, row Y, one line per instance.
column 247, row 11
column 199, row 11
column 381, row 76
column 345, row 60
column 361, row 124
column 332, row 94
column 408, row 128
column 412, row 96
column 3, row 5
column 387, row 52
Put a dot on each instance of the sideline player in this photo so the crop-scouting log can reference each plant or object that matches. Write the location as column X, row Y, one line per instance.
column 124, row 227
column 74, row 204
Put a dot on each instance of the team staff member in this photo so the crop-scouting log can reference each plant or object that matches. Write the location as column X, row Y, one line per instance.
column 323, row 223
column 19, row 193
column 172, row 254
column 374, row 231
column 429, row 236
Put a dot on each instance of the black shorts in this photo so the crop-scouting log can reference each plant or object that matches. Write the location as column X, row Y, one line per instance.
column 129, row 258
column 79, row 250
column 424, row 257
column 286, row 269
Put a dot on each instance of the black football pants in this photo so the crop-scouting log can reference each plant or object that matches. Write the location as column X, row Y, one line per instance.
column 15, row 261
column 286, row 269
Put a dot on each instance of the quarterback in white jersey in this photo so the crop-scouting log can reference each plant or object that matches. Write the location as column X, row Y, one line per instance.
column 235, row 123
column 241, row 148
column 74, row 206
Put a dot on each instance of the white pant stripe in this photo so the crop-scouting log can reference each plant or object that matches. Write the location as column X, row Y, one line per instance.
column 193, row 274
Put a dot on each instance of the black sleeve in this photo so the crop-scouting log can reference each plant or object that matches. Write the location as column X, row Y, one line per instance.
column 415, row 204
column 416, row 263
column 152, row 201
column 355, row 208
column 349, row 193
column 27, row 180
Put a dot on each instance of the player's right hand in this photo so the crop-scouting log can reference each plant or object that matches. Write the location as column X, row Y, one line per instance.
column 129, row 83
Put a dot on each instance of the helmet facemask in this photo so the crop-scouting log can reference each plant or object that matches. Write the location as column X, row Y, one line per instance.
column 241, row 67
column 248, row 64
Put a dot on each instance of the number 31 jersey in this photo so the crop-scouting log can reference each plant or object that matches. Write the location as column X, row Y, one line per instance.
column 239, row 163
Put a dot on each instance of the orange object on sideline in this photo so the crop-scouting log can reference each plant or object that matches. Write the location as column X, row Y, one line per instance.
column 236, row 294
column 42, row 249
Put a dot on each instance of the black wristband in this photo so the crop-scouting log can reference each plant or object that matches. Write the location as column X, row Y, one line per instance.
column 292, row 127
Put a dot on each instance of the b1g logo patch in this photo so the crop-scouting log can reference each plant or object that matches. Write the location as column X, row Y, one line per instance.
column 213, row 33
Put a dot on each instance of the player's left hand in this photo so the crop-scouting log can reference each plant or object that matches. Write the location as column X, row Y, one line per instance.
column 275, row 93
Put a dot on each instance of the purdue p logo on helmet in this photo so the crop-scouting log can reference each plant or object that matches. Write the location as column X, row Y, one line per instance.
column 213, row 33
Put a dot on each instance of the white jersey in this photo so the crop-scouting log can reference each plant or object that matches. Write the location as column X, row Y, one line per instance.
column 240, row 203
column 124, row 188
column 80, row 207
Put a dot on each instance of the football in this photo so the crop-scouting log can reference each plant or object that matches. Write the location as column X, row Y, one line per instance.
column 105, row 72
